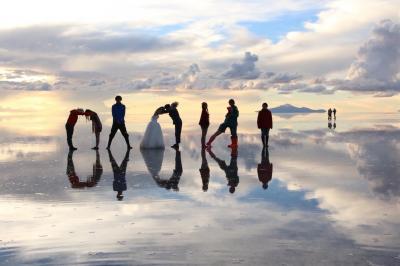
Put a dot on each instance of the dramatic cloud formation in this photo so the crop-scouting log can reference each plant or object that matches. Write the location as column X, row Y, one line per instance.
column 244, row 70
column 153, row 52
column 377, row 67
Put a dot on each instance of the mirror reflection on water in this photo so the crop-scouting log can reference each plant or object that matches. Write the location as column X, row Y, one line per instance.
column 320, row 194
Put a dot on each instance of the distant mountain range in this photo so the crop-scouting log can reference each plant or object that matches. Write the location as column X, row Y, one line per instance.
column 288, row 108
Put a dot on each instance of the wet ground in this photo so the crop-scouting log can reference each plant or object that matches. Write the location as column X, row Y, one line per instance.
column 317, row 196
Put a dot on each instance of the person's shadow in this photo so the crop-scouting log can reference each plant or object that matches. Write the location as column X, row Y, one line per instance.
column 231, row 170
column 204, row 170
column 265, row 169
column 153, row 159
column 119, row 183
column 91, row 181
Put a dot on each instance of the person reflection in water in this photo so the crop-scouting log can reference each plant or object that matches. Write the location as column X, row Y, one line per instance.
column 73, row 178
column 330, row 125
column 173, row 181
column 231, row 170
column 97, row 172
column 91, row 180
column 119, row 183
column 204, row 170
column 264, row 169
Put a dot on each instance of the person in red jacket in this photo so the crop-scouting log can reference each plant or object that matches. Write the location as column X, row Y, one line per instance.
column 204, row 123
column 69, row 126
column 264, row 122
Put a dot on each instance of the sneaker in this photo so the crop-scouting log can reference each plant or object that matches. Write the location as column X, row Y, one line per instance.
column 72, row 148
column 95, row 148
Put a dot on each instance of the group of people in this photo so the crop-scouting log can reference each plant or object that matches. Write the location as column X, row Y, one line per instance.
column 153, row 160
column 153, row 137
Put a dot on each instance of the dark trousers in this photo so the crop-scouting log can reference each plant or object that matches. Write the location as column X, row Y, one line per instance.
column 70, row 131
column 178, row 131
column 265, row 135
column 121, row 127
column 204, row 130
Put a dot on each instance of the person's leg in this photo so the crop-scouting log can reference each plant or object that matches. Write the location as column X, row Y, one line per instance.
column 266, row 136
column 122, row 128
column 114, row 129
column 97, row 134
column 234, row 138
column 203, row 135
column 70, row 132
column 263, row 136
column 220, row 130
column 178, row 131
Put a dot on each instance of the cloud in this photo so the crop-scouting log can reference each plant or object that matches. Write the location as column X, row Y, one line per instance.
column 245, row 69
column 27, row 86
column 377, row 67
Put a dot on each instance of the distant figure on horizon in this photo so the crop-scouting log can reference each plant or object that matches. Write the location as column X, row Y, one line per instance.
column 96, row 125
column 231, row 122
column 119, row 183
column 70, row 125
column 204, row 123
column 264, row 122
column 265, row 168
column 334, row 113
column 118, row 113
column 172, row 110
column 204, row 170
column 231, row 170
column 330, row 114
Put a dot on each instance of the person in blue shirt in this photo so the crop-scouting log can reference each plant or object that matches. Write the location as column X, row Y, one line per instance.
column 118, row 113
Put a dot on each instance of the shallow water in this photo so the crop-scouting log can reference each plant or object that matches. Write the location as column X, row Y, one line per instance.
column 333, row 198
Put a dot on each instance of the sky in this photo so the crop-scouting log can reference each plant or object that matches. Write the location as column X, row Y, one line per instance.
column 308, row 53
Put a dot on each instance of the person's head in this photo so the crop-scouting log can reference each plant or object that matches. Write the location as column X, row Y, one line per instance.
column 80, row 111
column 232, row 189
column 204, row 106
column 231, row 102
column 118, row 99
column 265, row 105
column 205, row 187
column 88, row 113
column 265, row 186
column 174, row 104
column 167, row 106
column 119, row 195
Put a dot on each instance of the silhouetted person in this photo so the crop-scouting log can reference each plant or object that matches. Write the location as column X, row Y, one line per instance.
column 204, row 123
column 231, row 170
column 173, row 181
column 97, row 172
column 264, row 122
column 334, row 125
column 204, row 170
column 96, row 125
column 264, row 169
column 70, row 125
column 72, row 176
column 118, row 113
column 176, row 120
column 330, row 114
column 330, row 125
column 119, row 183
column 231, row 122
column 334, row 113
